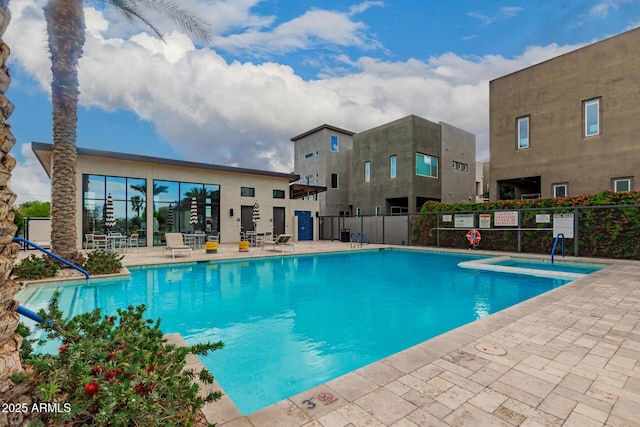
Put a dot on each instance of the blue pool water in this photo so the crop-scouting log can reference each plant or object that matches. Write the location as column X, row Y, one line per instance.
column 293, row 322
column 568, row 267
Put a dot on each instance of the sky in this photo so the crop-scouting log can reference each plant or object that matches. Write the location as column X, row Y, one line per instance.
column 277, row 68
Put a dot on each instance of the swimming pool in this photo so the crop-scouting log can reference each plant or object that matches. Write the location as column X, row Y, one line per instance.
column 293, row 322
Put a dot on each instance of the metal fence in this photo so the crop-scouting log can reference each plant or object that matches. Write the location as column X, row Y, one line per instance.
column 611, row 231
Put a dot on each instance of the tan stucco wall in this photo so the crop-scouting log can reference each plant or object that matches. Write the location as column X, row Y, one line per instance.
column 552, row 94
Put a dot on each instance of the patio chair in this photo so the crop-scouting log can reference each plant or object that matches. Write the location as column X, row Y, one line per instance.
column 175, row 243
column 99, row 241
column 213, row 237
column 282, row 241
column 132, row 241
column 88, row 241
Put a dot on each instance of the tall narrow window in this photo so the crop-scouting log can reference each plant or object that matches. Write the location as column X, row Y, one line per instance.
column 392, row 166
column 334, row 143
column 592, row 117
column 367, row 171
column 523, row 132
column 334, row 180
column 426, row 165
column 358, row 212
column 378, row 210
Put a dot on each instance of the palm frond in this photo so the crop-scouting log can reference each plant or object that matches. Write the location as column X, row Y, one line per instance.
column 195, row 26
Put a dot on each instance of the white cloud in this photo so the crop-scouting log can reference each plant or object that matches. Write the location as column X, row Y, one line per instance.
column 245, row 114
column 503, row 13
column 316, row 27
column 602, row 9
column 28, row 180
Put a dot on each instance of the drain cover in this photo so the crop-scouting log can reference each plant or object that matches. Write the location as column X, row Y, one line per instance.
column 491, row 349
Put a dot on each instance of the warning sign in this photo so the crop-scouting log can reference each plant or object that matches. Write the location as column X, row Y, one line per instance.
column 505, row 219
column 563, row 223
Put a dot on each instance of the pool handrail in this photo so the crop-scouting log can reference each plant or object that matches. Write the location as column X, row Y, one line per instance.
column 555, row 245
column 361, row 238
column 54, row 256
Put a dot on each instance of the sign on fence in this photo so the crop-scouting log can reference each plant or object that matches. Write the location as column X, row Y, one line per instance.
column 484, row 221
column 464, row 221
column 505, row 219
column 543, row 218
column 563, row 223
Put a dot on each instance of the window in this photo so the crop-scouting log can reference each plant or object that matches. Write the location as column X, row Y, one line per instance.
column 334, row 180
column 460, row 166
column 334, row 143
column 523, row 132
column 306, row 156
column 592, row 117
column 392, row 166
column 621, row 184
column 357, row 211
column 367, row 171
column 247, row 191
column 426, row 165
column 378, row 210
column 278, row 194
column 560, row 190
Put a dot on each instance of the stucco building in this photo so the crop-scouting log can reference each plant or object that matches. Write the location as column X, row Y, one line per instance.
column 569, row 125
column 398, row 166
column 322, row 157
column 153, row 195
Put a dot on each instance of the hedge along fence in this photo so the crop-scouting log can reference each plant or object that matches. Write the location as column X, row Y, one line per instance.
column 608, row 225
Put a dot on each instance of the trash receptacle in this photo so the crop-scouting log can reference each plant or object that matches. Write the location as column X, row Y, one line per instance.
column 344, row 234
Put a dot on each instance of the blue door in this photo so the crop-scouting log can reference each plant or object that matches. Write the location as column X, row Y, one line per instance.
column 305, row 225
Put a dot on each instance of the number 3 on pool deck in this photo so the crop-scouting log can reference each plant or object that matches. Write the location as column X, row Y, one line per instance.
column 310, row 404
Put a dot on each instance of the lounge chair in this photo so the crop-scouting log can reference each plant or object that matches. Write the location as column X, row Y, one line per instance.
column 175, row 243
column 282, row 241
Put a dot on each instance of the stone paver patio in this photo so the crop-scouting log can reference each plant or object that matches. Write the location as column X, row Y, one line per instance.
column 572, row 359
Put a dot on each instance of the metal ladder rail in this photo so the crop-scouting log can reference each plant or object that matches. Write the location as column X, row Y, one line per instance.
column 555, row 245
column 357, row 236
column 25, row 311
column 363, row 237
column 54, row 256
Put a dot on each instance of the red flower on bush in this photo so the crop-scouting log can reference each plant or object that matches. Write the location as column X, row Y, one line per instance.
column 96, row 370
column 151, row 368
column 92, row 388
column 122, row 347
column 64, row 347
column 110, row 374
column 111, row 356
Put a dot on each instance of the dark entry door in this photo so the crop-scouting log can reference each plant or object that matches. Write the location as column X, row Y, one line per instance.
column 246, row 218
column 278, row 220
column 305, row 225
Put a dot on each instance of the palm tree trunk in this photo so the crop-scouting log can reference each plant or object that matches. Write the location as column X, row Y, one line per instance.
column 10, row 342
column 66, row 30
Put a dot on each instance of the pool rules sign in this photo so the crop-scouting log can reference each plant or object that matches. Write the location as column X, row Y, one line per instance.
column 563, row 223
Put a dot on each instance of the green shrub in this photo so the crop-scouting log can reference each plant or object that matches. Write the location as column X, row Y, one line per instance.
column 103, row 262
column 35, row 268
column 116, row 371
column 27, row 347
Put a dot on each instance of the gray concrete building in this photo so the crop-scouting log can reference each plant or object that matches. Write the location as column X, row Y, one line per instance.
column 322, row 158
column 569, row 125
column 400, row 165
